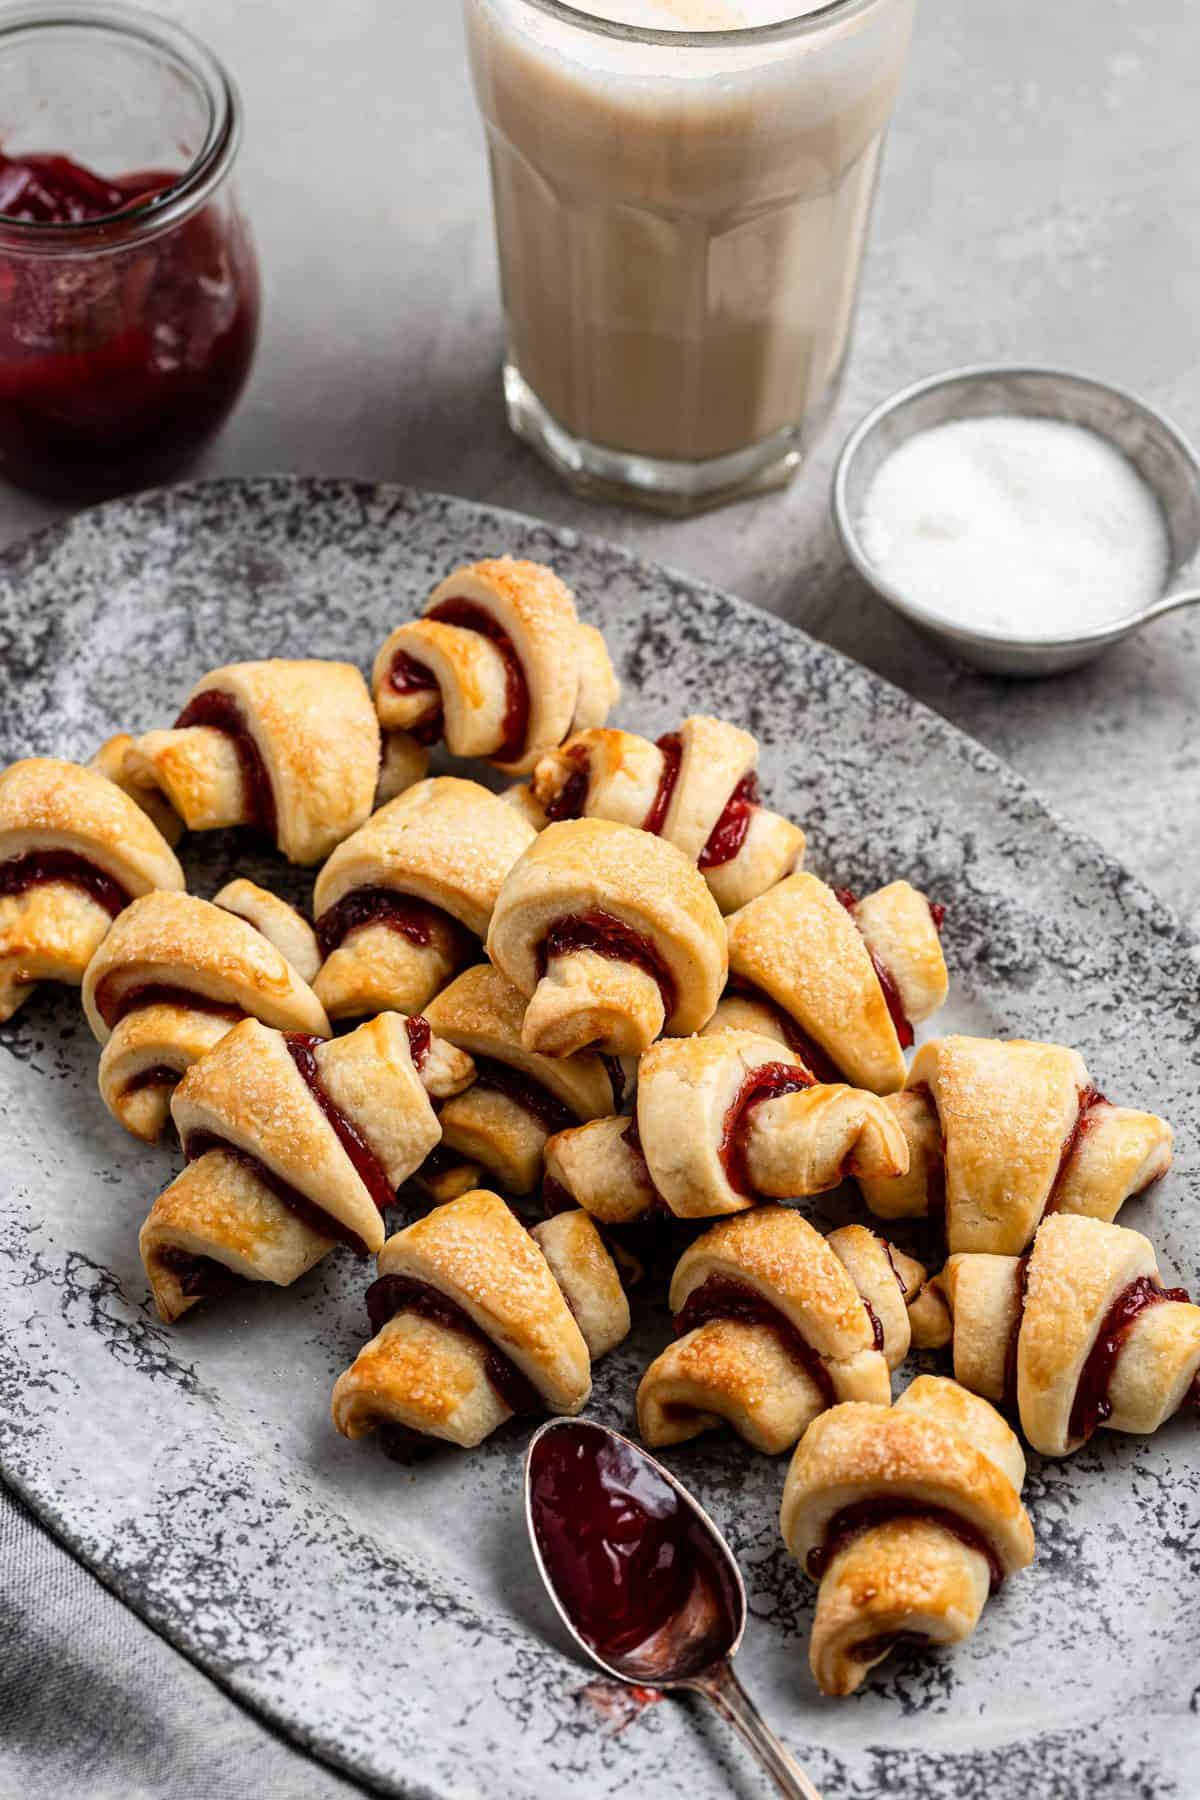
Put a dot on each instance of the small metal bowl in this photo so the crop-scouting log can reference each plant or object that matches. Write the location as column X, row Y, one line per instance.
column 1161, row 455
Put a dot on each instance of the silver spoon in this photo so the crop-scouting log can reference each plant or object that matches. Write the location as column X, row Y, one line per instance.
column 613, row 1499
column 1160, row 453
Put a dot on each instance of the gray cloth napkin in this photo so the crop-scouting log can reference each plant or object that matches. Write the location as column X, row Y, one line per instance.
column 95, row 1706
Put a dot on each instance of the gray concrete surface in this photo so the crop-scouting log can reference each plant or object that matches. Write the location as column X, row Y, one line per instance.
column 1041, row 200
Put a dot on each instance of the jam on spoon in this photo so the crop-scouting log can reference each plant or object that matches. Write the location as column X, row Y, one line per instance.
column 641, row 1576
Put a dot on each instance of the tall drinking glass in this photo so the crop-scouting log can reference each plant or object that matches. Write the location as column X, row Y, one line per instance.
column 683, row 190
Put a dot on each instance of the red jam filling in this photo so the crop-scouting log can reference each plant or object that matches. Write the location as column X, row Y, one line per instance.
column 555, row 1197
column 1089, row 1099
column 199, row 1277
column 888, row 1252
column 571, row 797
column 420, row 1040
column 1092, row 1406
column 616, row 1079
column 937, row 913
column 935, row 1203
column 38, row 867
column 221, row 712
column 797, row 1040
column 632, row 1137
column 607, row 936
column 115, row 1003
column 874, row 1649
column 417, row 920
column 1012, row 1349
column 115, row 367
column 524, row 1091
column 768, row 1082
column 199, row 1143
column 367, row 1166
column 671, row 747
column 729, row 833
column 393, row 1294
column 891, row 993
column 864, row 1515
column 721, row 1297
column 159, row 1075
column 410, row 676
column 628, row 1559
column 876, row 1326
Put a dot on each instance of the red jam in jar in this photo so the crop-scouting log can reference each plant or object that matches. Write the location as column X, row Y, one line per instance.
column 116, row 367
column 129, row 300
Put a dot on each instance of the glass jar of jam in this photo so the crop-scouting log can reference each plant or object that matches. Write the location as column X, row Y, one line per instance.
column 129, row 293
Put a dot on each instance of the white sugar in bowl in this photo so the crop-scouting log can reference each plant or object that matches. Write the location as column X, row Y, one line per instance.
column 1024, row 519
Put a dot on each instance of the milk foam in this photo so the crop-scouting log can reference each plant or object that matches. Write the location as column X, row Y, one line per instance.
column 698, row 15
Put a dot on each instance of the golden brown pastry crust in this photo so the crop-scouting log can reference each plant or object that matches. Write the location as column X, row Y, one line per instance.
column 600, row 1167
column 110, row 760
column 316, row 732
column 50, row 931
column 190, row 946
column 587, row 1275
column 433, row 1379
column 403, row 762
column 938, row 1447
column 221, row 1209
column 568, row 676
column 1055, row 1310
column 447, row 842
column 800, row 946
column 624, row 773
column 249, row 1094
column 999, row 1123
column 689, row 1092
column 727, row 1370
column 584, row 866
column 279, row 923
column 482, row 1013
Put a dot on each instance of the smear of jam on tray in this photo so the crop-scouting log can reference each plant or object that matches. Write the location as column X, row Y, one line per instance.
column 116, row 364
column 631, row 1563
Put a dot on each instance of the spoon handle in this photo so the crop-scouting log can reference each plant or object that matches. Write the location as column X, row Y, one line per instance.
column 1171, row 603
column 721, row 1687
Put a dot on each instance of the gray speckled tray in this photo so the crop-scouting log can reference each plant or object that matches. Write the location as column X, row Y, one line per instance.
column 387, row 1617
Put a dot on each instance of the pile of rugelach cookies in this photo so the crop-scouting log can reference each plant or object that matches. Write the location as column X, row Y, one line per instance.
column 613, row 985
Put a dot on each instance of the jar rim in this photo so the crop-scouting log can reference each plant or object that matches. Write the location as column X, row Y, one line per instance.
column 576, row 13
column 193, row 186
